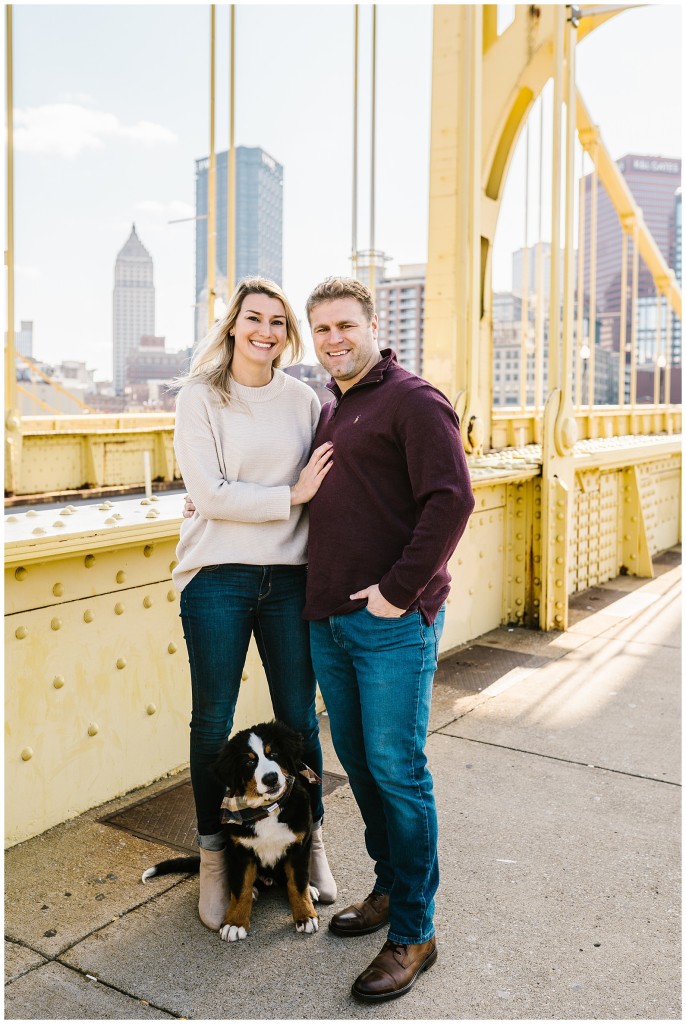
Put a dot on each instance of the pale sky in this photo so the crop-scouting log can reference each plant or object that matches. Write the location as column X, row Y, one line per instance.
column 112, row 109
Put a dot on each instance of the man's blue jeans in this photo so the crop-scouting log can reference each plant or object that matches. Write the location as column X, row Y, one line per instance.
column 221, row 607
column 376, row 677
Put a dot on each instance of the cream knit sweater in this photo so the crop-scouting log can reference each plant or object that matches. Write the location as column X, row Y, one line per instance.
column 238, row 463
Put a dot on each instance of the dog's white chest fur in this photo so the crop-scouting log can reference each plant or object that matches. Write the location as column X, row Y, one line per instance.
column 272, row 837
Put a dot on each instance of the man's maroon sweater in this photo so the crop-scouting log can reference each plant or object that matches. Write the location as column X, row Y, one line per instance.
column 397, row 499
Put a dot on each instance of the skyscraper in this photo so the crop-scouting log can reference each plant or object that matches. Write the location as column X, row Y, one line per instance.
column 259, row 222
column 676, row 264
column 652, row 181
column 400, row 305
column 133, row 303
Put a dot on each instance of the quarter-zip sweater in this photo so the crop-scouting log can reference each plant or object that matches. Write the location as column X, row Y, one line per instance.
column 397, row 499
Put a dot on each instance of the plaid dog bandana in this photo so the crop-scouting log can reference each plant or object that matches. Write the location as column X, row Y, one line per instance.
column 243, row 810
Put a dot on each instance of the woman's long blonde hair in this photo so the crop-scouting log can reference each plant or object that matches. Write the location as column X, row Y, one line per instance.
column 211, row 361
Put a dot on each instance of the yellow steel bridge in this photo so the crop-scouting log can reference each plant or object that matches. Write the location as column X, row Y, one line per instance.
column 568, row 495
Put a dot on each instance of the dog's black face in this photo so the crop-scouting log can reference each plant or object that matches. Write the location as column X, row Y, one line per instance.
column 256, row 761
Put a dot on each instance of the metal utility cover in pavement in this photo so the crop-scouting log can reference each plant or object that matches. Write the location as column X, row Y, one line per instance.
column 169, row 817
column 474, row 668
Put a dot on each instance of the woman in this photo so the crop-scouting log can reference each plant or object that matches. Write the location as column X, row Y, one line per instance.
column 243, row 433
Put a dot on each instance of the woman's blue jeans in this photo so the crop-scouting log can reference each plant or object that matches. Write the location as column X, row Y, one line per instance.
column 221, row 607
column 376, row 677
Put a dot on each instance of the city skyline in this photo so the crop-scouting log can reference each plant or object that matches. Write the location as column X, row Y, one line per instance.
column 104, row 136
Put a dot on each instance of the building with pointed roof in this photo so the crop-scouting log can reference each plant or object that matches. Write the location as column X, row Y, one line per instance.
column 133, row 306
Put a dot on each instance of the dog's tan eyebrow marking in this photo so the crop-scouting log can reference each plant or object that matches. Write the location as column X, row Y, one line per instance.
column 268, row 749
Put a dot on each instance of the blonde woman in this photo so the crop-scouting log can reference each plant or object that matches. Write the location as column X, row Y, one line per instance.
column 244, row 430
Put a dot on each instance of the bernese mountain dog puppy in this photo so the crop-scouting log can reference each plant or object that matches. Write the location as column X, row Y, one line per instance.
column 267, row 821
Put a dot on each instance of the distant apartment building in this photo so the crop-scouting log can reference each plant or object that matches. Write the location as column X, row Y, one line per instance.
column 653, row 182
column 37, row 397
column 133, row 304
column 23, row 339
column 507, row 360
column 314, row 375
column 538, row 252
column 258, row 225
column 400, row 308
column 150, row 369
column 507, row 353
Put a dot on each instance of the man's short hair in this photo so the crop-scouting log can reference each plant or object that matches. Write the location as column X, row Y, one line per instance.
column 341, row 288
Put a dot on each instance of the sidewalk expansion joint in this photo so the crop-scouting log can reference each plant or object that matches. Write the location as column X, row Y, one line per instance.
column 562, row 760
column 107, row 924
column 115, row 988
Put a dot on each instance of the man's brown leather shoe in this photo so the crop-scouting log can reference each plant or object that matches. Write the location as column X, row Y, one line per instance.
column 361, row 918
column 394, row 971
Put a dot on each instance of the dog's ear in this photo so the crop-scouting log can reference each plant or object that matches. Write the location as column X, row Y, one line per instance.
column 290, row 743
column 227, row 767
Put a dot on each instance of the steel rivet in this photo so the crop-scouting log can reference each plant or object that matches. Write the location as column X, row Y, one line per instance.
column 121, row 662
column 171, row 595
column 147, row 550
column 88, row 615
column 58, row 682
column 26, row 754
column 20, row 573
column 245, row 675
column 172, row 648
column 93, row 729
column 172, row 566
column 119, row 608
column 58, row 590
column 151, row 709
column 56, row 624
column 147, row 602
column 21, row 632
column 121, row 576
column 89, row 560
column 144, row 501
column 31, row 512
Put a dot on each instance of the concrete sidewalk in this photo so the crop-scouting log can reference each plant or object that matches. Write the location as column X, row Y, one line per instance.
column 559, row 801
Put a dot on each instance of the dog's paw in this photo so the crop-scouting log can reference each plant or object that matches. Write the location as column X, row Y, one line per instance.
column 308, row 927
column 314, row 893
column 255, row 892
column 232, row 933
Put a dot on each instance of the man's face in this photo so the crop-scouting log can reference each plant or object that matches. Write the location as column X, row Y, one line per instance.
column 344, row 340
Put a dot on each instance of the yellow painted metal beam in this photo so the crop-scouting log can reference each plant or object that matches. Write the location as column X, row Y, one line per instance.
column 627, row 209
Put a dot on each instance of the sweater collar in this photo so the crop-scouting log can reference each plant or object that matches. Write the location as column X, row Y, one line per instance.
column 263, row 394
column 376, row 374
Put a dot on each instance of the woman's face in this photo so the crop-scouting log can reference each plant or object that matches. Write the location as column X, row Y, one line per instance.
column 259, row 332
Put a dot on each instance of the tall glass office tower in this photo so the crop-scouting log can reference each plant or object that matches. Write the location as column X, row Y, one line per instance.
column 259, row 222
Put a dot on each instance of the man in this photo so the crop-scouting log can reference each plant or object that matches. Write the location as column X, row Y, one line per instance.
column 383, row 525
